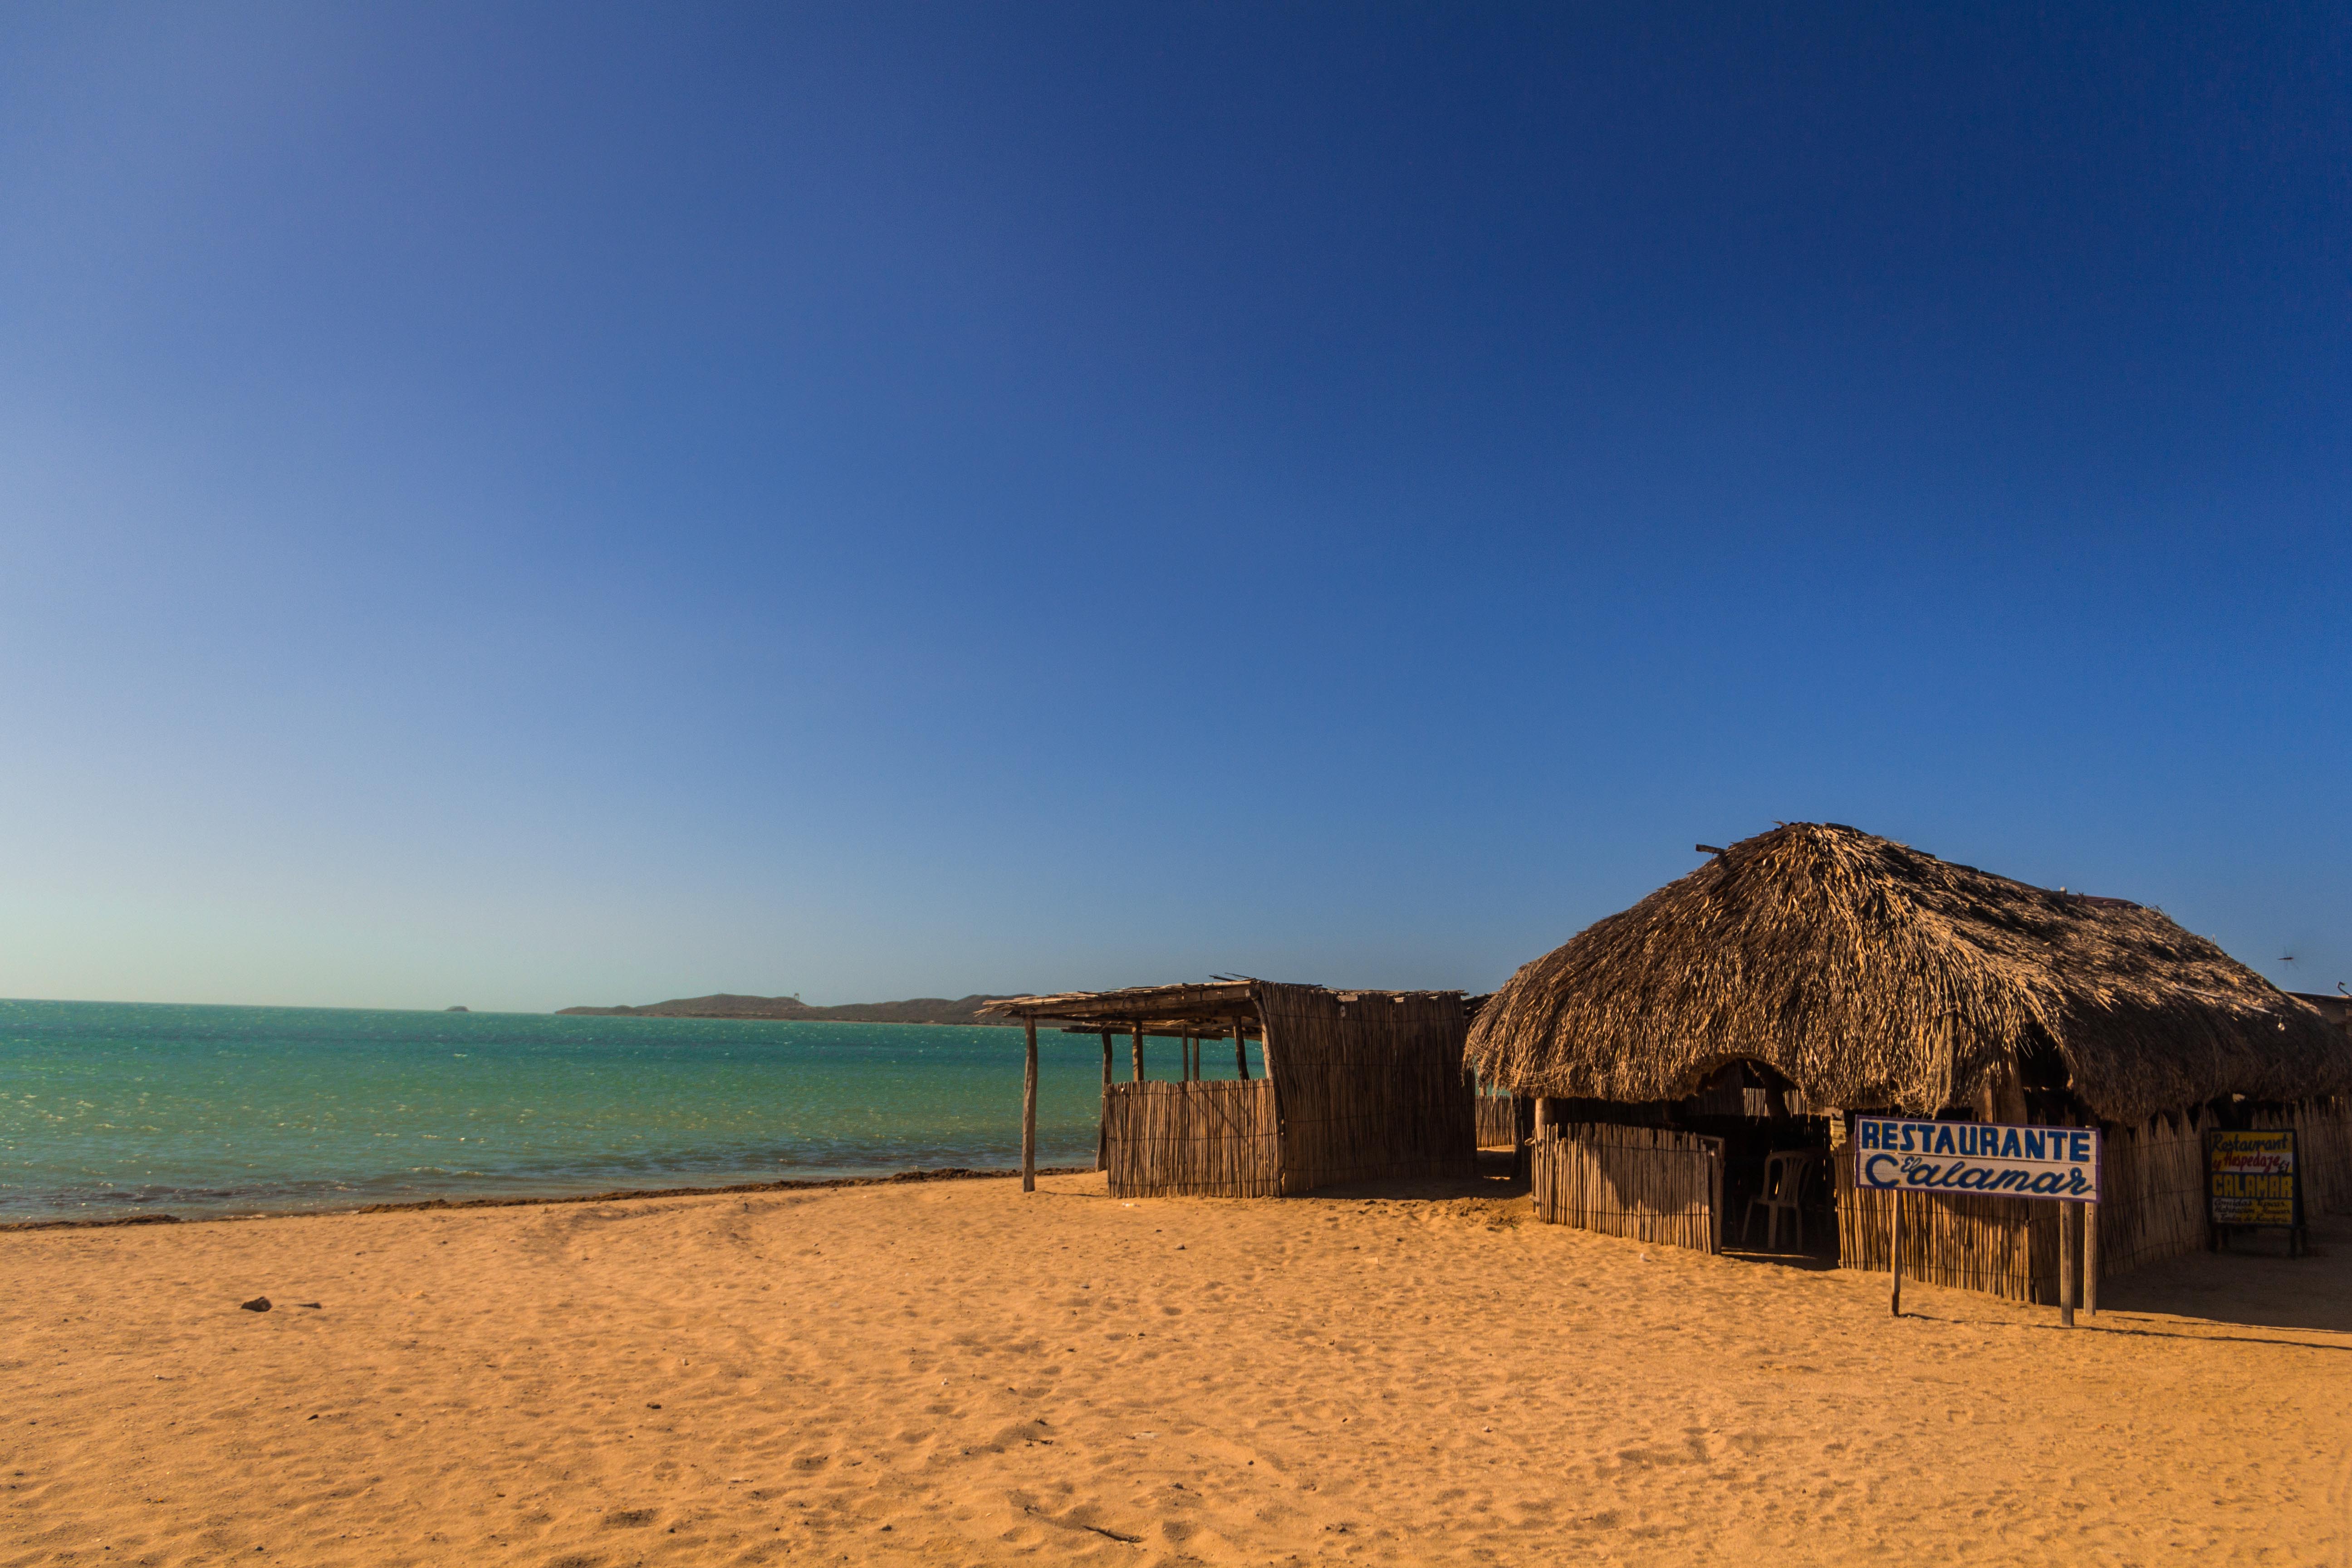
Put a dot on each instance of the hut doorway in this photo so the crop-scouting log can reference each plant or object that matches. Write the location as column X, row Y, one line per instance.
column 1780, row 1184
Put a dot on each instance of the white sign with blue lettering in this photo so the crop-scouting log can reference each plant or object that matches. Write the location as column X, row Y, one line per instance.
column 1892, row 1154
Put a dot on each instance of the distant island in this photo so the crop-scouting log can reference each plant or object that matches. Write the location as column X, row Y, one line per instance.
column 918, row 1010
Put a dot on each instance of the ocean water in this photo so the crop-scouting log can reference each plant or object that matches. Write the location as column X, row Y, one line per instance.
column 110, row 1109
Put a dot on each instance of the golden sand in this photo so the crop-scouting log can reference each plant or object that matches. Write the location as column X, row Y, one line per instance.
column 954, row 1374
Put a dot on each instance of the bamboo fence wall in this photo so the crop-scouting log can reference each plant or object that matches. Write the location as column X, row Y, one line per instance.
column 1648, row 1184
column 1498, row 1121
column 2003, row 1246
column 2153, row 1207
column 1210, row 1138
column 1369, row 1087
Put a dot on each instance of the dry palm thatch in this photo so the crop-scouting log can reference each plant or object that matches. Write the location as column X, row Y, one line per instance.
column 1873, row 975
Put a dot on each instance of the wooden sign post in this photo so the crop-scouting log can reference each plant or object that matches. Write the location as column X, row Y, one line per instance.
column 2070, row 1231
column 1897, row 1251
column 2061, row 1165
column 2090, row 1260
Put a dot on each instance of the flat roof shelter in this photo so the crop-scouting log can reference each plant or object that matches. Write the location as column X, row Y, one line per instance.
column 1358, row 1085
column 1816, row 971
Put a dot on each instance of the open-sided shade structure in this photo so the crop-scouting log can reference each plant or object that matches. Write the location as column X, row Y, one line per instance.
column 1357, row 1084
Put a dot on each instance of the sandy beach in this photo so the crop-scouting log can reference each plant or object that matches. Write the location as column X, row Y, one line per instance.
column 952, row 1373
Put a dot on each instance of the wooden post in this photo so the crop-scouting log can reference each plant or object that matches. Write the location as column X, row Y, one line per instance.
column 1895, row 1250
column 1240, row 1051
column 2090, row 1260
column 1139, row 1053
column 2070, row 1236
column 1102, row 1127
column 1029, row 1114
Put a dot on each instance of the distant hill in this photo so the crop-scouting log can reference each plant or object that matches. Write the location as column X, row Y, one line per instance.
column 917, row 1010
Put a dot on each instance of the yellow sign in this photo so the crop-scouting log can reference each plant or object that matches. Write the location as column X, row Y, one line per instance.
column 2253, row 1176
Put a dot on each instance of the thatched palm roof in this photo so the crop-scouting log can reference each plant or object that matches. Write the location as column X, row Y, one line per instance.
column 1871, row 975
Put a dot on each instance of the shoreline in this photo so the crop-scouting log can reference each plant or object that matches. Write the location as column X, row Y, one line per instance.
column 944, row 1173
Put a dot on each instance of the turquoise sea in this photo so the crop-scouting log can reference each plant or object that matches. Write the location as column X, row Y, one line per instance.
column 112, row 1109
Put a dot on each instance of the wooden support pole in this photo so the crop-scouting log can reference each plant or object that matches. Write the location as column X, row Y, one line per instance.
column 2090, row 1260
column 1895, row 1251
column 1102, row 1127
column 2070, row 1238
column 1240, row 1051
column 1139, row 1053
column 1029, row 1114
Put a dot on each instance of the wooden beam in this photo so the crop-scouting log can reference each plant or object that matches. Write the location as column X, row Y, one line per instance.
column 1029, row 1113
column 1139, row 1053
column 1241, row 1053
column 1157, row 1029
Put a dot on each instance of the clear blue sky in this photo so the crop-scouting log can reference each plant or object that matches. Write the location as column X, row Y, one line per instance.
column 518, row 506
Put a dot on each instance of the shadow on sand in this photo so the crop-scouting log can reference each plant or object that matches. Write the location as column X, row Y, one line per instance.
column 2256, row 1286
column 1492, row 1182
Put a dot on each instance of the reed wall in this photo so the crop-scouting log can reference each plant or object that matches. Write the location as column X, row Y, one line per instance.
column 1368, row 1086
column 2323, row 1142
column 1647, row 1183
column 1211, row 1138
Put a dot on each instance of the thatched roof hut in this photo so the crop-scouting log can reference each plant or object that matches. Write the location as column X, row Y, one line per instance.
column 1871, row 975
